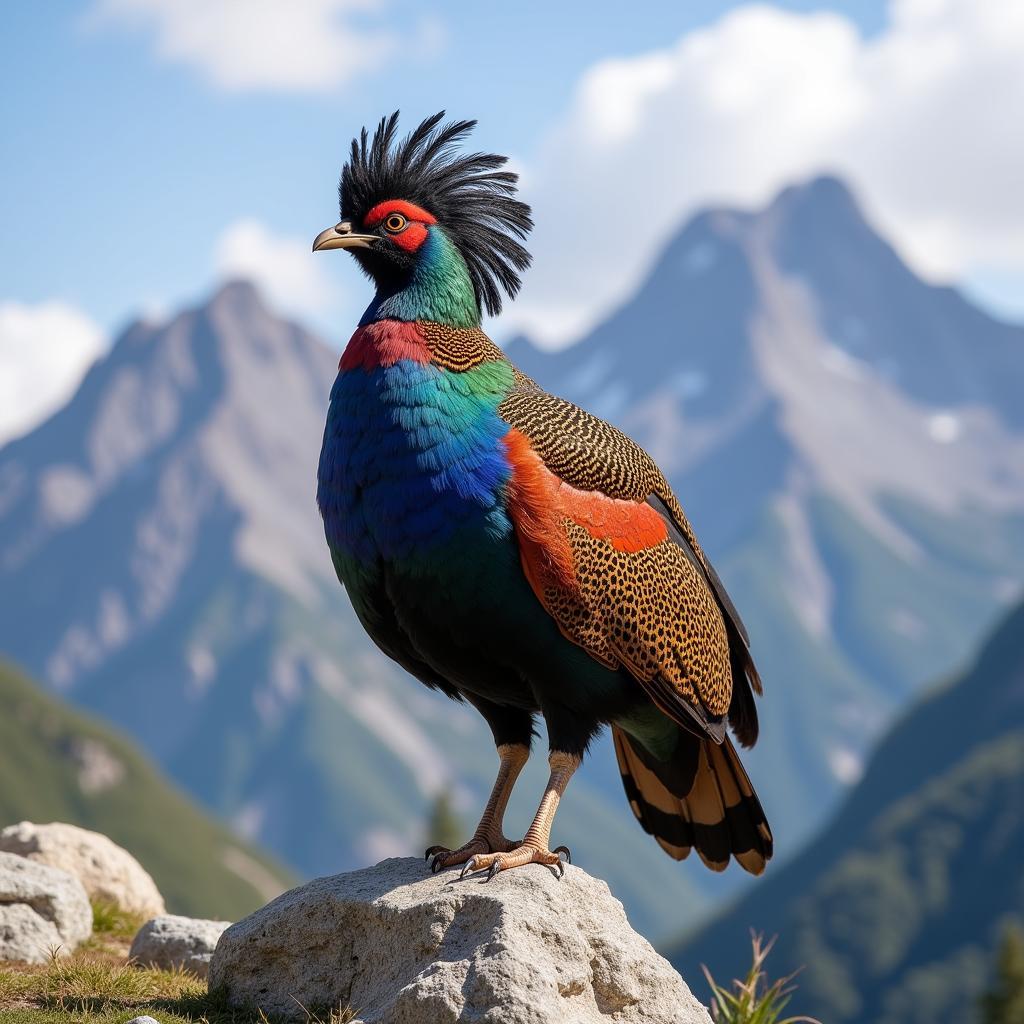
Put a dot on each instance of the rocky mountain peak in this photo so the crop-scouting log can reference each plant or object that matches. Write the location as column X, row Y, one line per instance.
column 825, row 200
column 798, row 321
column 837, row 430
column 162, row 560
column 206, row 424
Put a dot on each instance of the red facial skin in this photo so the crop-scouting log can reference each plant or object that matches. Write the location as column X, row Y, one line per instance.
column 414, row 234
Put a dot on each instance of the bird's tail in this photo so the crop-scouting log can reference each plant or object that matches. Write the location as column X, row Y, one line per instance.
column 702, row 799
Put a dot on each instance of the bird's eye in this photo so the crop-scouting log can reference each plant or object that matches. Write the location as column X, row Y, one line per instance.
column 395, row 223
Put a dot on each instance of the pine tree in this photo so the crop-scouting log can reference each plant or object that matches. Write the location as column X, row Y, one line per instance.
column 443, row 825
column 1004, row 1002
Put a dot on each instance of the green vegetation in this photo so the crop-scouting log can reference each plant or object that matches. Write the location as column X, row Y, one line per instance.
column 112, row 923
column 754, row 1000
column 98, row 985
column 112, row 932
column 443, row 826
column 91, row 989
column 1004, row 1002
column 898, row 907
column 93, row 986
column 57, row 764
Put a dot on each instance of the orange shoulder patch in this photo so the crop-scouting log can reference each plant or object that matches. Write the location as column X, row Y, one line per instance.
column 540, row 503
column 533, row 505
column 626, row 525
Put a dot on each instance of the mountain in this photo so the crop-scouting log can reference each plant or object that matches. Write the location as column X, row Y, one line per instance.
column 849, row 444
column 844, row 437
column 898, row 906
column 162, row 564
column 57, row 764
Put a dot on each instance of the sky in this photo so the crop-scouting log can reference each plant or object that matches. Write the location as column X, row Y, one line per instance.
column 152, row 148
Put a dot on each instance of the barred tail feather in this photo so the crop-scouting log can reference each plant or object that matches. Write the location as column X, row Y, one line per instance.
column 702, row 799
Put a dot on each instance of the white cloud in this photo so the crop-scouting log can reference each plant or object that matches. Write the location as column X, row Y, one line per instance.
column 307, row 46
column 847, row 766
column 44, row 351
column 921, row 119
column 284, row 268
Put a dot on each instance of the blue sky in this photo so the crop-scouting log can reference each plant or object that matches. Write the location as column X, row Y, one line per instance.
column 122, row 170
column 144, row 157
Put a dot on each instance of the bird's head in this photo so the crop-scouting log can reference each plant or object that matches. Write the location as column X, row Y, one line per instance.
column 438, row 231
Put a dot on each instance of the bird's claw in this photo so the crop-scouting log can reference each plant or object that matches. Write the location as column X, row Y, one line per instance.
column 478, row 845
column 472, row 865
column 502, row 860
column 438, row 853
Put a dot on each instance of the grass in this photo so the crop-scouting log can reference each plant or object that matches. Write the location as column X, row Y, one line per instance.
column 96, row 986
column 99, row 985
column 112, row 931
column 754, row 1000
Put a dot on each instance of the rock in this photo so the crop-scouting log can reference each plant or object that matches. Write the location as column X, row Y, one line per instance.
column 401, row 946
column 24, row 935
column 41, row 908
column 109, row 873
column 177, row 943
column 144, row 1019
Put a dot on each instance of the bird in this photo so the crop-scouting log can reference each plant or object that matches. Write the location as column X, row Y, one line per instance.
column 504, row 546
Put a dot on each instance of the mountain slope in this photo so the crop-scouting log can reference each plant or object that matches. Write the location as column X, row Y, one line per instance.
column 60, row 765
column 162, row 563
column 849, row 444
column 897, row 908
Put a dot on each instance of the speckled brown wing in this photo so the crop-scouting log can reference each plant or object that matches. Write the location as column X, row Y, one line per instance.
column 613, row 558
column 591, row 454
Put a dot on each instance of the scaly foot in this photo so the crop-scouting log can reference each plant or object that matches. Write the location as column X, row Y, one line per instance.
column 528, row 853
column 478, row 845
column 488, row 837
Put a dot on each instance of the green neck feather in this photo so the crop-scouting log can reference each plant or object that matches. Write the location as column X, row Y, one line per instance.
column 440, row 289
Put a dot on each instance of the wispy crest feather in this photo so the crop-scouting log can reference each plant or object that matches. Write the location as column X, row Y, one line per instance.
column 471, row 197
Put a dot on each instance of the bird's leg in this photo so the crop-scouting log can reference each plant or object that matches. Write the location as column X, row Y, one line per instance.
column 488, row 836
column 534, row 848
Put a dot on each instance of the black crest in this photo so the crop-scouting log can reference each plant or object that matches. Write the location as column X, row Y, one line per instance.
column 471, row 197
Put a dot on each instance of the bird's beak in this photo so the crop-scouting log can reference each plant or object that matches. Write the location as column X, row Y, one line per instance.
column 341, row 236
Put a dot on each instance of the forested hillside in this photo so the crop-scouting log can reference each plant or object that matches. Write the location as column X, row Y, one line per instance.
column 896, row 910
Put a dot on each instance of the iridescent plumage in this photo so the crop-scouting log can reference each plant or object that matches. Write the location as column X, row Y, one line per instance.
column 504, row 546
